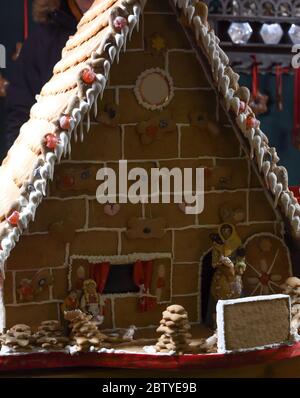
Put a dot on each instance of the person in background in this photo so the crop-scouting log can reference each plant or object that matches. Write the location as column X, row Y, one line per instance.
column 56, row 22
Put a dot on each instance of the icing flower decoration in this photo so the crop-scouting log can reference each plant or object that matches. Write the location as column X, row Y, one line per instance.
column 268, row 265
column 120, row 23
column 68, row 181
column 51, row 141
column 201, row 120
column 65, row 122
column 85, row 174
column 155, row 128
column 109, row 115
column 14, row 218
column 251, row 122
column 112, row 209
column 88, row 76
column 157, row 43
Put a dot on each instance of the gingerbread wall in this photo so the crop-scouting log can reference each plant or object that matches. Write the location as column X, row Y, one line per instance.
column 87, row 231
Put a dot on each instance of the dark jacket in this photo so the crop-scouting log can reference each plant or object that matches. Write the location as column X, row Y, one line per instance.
column 40, row 52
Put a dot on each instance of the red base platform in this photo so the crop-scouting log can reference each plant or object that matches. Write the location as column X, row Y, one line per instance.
column 57, row 360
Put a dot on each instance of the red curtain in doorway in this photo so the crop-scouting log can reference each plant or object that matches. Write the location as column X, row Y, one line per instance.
column 99, row 273
column 143, row 271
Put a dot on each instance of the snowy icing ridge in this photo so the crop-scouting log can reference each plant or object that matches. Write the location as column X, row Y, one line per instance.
column 78, row 108
column 236, row 99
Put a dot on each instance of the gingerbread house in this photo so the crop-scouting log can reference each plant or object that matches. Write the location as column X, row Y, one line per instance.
column 145, row 83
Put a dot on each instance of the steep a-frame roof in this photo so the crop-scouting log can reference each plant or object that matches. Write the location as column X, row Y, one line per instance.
column 78, row 80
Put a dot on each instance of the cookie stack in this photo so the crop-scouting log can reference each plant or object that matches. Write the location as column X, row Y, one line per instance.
column 175, row 331
column 50, row 336
column 18, row 338
column 84, row 332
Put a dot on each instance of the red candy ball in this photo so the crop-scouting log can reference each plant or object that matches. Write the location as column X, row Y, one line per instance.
column 120, row 23
column 65, row 122
column 68, row 181
column 51, row 141
column 251, row 122
column 14, row 218
column 243, row 107
column 88, row 76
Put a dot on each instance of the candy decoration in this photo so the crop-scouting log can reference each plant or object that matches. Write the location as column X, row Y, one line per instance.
column 243, row 107
column 120, row 23
column 68, row 181
column 111, row 209
column 51, row 141
column 152, row 131
column 252, row 122
column 65, row 122
column 14, row 218
column 88, row 76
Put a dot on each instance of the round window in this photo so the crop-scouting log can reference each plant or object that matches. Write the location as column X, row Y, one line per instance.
column 154, row 89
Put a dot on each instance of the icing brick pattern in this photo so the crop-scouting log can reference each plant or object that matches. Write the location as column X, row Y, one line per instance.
column 229, row 179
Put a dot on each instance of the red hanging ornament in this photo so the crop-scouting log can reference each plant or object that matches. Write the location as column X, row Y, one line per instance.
column 296, row 129
column 279, row 86
column 258, row 101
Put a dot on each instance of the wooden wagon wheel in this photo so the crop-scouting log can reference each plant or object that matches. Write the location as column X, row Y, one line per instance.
column 268, row 265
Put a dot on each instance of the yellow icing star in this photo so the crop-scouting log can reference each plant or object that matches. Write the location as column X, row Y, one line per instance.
column 158, row 43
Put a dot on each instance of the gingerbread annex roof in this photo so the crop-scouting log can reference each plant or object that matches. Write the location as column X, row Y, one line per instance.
column 78, row 80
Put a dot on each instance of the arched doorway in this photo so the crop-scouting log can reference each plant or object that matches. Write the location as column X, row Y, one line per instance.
column 207, row 273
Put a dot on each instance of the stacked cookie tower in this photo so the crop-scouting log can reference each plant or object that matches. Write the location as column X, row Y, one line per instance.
column 84, row 332
column 175, row 328
column 50, row 336
column 18, row 338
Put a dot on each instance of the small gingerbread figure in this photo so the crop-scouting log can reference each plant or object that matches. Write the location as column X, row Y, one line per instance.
column 71, row 302
column 91, row 301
